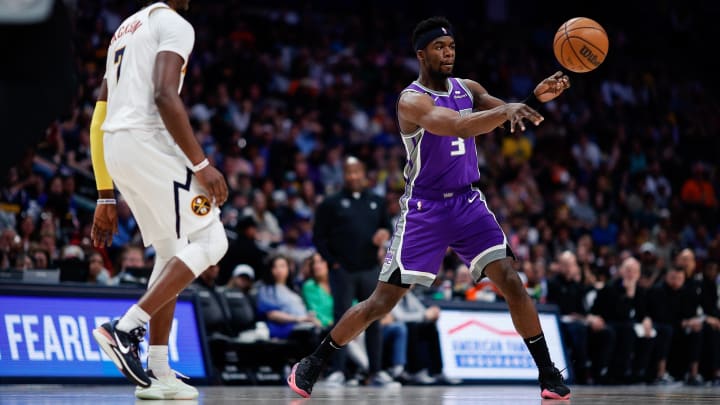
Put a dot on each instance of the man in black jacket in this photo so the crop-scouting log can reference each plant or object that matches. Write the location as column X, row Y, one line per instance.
column 622, row 303
column 672, row 305
column 568, row 292
column 351, row 227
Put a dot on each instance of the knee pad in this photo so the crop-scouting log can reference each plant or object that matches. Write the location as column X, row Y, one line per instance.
column 165, row 249
column 205, row 248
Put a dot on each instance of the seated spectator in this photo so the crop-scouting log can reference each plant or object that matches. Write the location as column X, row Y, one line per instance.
column 567, row 292
column 698, row 191
column 622, row 304
column 316, row 291
column 395, row 337
column 290, row 248
column 214, row 307
column 268, row 229
column 673, row 310
column 244, row 249
column 425, row 360
column 463, row 281
column 283, row 308
column 97, row 273
column 243, row 279
column 132, row 258
column 536, row 284
column 41, row 258
column 319, row 300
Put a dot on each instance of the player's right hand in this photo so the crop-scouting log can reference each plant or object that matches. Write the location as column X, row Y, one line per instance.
column 105, row 225
column 213, row 181
column 517, row 112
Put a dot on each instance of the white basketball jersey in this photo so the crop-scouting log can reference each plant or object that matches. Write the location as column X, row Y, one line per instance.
column 130, row 63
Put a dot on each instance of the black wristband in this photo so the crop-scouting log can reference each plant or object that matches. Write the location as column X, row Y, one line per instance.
column 532, row 102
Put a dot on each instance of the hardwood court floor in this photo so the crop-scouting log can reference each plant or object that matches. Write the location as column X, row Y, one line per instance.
column 457, row 395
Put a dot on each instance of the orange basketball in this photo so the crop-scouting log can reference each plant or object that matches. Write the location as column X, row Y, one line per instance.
column 580, row 45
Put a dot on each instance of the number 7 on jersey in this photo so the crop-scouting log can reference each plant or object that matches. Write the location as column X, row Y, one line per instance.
column 118, row 61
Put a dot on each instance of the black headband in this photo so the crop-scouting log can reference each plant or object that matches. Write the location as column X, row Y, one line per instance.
column 427, row 37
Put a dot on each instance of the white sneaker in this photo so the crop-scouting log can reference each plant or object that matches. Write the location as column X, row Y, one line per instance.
column 166, row 387
column 382, row 379
column 422, row 377
column 335, row 379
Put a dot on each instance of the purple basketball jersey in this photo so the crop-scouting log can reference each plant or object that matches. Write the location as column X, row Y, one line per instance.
column 440, row 208
column 441, row 162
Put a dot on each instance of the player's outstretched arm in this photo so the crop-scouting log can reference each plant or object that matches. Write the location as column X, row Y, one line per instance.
column 419, row 109
column 166, row 79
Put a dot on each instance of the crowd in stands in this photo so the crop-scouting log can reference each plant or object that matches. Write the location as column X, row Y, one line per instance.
column 610, row 205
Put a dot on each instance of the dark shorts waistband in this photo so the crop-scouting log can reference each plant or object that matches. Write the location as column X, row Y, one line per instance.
column 437, row 194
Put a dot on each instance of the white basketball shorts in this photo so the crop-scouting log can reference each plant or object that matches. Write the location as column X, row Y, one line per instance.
column 153, row 175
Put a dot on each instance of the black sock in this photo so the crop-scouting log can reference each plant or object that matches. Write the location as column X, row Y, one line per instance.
column 539, row 351
column 326, row 348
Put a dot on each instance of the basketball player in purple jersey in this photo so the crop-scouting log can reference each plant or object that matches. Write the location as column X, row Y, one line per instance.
column 439, row 116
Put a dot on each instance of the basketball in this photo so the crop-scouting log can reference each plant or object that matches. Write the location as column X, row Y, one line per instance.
column 580, row 45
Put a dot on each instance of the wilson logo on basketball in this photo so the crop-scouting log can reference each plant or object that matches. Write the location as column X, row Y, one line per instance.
column 589, row 55
column 200, row 205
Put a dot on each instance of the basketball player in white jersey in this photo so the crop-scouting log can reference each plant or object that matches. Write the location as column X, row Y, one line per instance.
column 142, row 141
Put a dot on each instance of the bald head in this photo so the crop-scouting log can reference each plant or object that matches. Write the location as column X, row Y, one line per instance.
column 630, row 270
column 568, row 265
column 354, row 174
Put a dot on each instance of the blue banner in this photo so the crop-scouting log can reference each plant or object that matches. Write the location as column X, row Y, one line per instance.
column 52, row 337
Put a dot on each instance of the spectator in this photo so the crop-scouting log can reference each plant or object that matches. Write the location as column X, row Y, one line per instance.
column 128, row 230
column 214, row 306
column 350, row 229
column 285, row 312
column 698, row 191
column 672, row 308
column 536, row 284
column 425, row 361
column 395, row 338
column 567, row 292
column 132, row 258
column 316, row 291
column 623, row 306
column 41, row 258
column 650, row 269
column 586, row 153
column 268, row 228
column 244, row 249
column 97, row 273
column 242, row 279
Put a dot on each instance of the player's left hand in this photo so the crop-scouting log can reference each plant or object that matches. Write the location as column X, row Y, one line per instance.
column 105, row 225
column 552, row 87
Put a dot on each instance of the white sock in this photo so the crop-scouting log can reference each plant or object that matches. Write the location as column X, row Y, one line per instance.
column 158, row 360
column 134, row 317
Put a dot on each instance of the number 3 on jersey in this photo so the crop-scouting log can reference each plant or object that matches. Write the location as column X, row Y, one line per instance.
column 460, row 143
column 118, row 61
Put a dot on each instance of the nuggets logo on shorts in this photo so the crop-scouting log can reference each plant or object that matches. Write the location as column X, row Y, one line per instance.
column 200, row 205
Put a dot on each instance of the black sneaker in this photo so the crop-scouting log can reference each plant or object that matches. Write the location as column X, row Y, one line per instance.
column 122, row 348
column 304, row 374
column 552, row 384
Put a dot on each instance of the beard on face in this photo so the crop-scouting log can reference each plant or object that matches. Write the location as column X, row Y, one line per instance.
column 438, row 74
